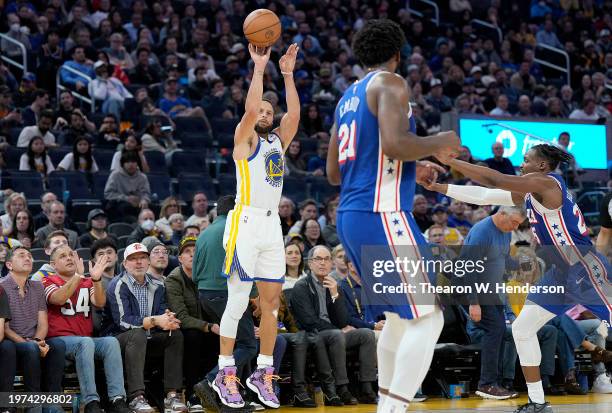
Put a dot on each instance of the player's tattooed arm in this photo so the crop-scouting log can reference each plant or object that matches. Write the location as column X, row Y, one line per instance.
column 332, row 167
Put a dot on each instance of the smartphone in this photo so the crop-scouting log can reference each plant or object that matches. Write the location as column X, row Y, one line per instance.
column 166, row 128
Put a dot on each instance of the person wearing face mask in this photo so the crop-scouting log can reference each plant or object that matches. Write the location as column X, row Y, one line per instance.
column 146, row 227
column 18, row 33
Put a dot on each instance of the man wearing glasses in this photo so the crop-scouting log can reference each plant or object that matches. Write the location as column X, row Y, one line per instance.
column 158, row 257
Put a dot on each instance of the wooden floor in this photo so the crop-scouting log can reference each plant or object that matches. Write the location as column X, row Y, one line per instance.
column 591, row 403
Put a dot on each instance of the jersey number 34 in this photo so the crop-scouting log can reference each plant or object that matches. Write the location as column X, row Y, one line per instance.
column 346, row 135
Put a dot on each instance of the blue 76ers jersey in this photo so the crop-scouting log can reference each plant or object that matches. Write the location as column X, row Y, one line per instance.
column 371, row 181
column 564, row 227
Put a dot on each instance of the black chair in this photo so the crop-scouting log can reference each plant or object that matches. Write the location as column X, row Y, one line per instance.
column 160, row 186
column 294, row 188
column 82, row 226
column 74, row 181
column 321, row 190
column 122, row 241
column 58, row 154
column 99, row 183
column 84, row 253
column 190, row 184
column 79, row 209
column 12, row 156
column 120, row 229
column 220, row 125
column 156, row 161
column 191, row 128
column 308, row 145
column 120, row 255
column 30, row 183
column 39, row 254
column 188, row 162
column 227, row 184
column 104, row 159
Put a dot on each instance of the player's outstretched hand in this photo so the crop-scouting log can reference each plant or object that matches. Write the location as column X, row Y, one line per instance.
column 287, row 61
column 260, row 56
column 451, row 147
column 427, row 172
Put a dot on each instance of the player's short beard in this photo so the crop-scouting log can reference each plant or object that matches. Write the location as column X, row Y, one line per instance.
column 263, row 130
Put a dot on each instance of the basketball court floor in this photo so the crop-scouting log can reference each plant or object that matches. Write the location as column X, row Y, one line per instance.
column 591, row 403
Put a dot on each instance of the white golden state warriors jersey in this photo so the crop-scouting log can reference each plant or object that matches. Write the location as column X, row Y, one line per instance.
column 259, row 178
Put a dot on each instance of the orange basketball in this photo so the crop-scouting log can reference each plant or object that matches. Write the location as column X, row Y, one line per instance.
column 262, row 28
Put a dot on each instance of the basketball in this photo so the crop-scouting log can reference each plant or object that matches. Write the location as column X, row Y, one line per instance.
column 262, row 28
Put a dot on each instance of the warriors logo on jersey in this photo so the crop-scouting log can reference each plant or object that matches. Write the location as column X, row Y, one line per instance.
column 274, row 164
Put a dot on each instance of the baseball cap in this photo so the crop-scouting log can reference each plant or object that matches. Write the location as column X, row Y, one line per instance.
column 134, row 249
column 476, row 69
column 98, row 64
column 186, row 242
column 413, row 67
column 435, row 82
column 301, row 74
column 231, row 59
column 588, row 43
column 174, row 217
column 95, row 213
column 29, row 77
column 151, row 242
column 171, row 79
column 324, row 72
column 439, row 208
column 237, row 48
column 604, row 32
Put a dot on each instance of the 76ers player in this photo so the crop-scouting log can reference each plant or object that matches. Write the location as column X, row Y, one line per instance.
column 372, row 154
column 557, row 223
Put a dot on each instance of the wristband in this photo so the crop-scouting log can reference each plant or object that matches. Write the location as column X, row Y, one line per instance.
column 287, row 73
column 96, row 281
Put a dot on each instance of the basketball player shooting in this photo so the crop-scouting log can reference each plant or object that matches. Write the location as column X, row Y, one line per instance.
column 373, row 154
column 253, row 236
column 557, row 222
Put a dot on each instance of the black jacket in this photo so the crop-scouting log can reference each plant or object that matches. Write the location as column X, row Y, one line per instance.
column 305, row 307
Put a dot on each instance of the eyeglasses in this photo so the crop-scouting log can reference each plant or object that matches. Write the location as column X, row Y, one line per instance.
column 320, row 260
column 172, row 206
column 160, row 252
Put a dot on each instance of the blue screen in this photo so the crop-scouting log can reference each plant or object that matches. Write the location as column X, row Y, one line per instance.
column 587, row 142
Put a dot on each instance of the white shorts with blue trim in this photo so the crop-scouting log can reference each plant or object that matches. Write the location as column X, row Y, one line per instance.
column 253, row 242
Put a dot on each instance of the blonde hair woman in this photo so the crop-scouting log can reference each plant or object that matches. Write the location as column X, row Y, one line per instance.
column 12, row 205
column 169, row 206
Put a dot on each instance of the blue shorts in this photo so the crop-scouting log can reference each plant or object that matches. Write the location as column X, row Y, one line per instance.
column 371, row 239
column 587, row 283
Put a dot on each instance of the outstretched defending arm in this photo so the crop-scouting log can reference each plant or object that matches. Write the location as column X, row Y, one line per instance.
column 244, row 130
column 477, row 195
column 291, row 120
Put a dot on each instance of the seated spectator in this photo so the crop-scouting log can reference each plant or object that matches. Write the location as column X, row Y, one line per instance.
column 308, row 208
column 117, row 53
column 331, row 325
column 329, row 232
column 214, row 101
column 24, row 338
column 109, row 90
column 19, row 34
column 12, row 205
column 42, row 218
column 419, row 212
column 65, row 107
column 30, row 114
column 80, row 159
column 182, row 297
column 501, row 108
column 81, row 64
column 97, row 223
column 168, row 207
column 323, row 90
column 311, row 122
column 175, row 105
column 54, row 240
column 144, row 73
column 127, row 190
column 452, row 236
column 294, row 265
column 145, row 227
column 199, row 205
column 131, row 142
column 287, row 214
column 45, row 121
column 340, row 270
column 311, row 233
column 137, row 315
column 192, row 231
column 317, row 162
column 295, row 165
column 458, row 217
column 105, row 247
column 498, row 162
column 350, row 287
column 79, row 126
column 23, row 228
column 57, row 217
column 177, row 224
column 108, row 134
column 70, row 297
column 36, row 158
column 50, row 58
column 155, row 138
column 587, row 112
column 158, row 258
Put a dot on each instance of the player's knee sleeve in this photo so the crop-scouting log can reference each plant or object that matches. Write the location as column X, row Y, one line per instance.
column 525, row 333
column 237, row 302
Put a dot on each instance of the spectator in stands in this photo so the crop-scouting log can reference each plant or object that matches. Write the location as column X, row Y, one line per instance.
column 199, row 205
column 182, row 298
column 158, row 257
column 350, row 286
column 169, row 206
column 81, row 64
column 175, row 105
column 311, row 233
column 452, row 236
column 36, row 158
column 524, row 106
column 177, row 224
column 340, row 270
column 498, row 162
column 419, row 211
column 317, row 162
column 192, row 231
column 101, row 248
column 80, row 159
column 319, row 307
column 24, row 337
column 323, row 90
column 70, row 297
column 12, row 205
column 41, row 219
column 501, row 107
column 137, row 315
column 295, row 165
column 294, row 265
column 78, row 126
column 30, row 114
column 458, row 217
column 97, row 223
column 42, row 129
column 65, row 107
column 131, row 142
column 51, row 56
column 127, row 190
column 108, row 134
column 109, row 90
column 547, row 35
column 308, row 208
column 18, row 33
column 329, row 232
column 144, row 73
column 155, row 138
column 523, row 80
column 118, row 54
column 57, row 216
column 23, row 228
column 587, row 112
column 311, row 122
column 145, row 227
column 286, row 212
column 54, row 240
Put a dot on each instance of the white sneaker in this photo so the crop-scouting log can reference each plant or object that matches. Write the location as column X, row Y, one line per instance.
column 602, row 384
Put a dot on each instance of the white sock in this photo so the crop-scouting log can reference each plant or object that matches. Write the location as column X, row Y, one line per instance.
column 381, row 402
column 264, row 361
column 536, row 392
column 226, row 361
column 393, row 405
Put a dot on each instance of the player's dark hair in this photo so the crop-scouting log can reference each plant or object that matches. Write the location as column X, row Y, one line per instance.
column 551, row 154
column 378, row 41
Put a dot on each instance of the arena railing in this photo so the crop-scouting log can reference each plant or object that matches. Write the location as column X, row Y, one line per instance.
column 550, row 63
column 490, row 26
column 60, row 88
column 424, row 3
column 24, row 54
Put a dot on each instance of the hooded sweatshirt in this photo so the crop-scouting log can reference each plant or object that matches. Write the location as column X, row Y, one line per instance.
column 120, row 185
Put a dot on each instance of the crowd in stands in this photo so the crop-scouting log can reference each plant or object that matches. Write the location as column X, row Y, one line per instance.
column 153, row 161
